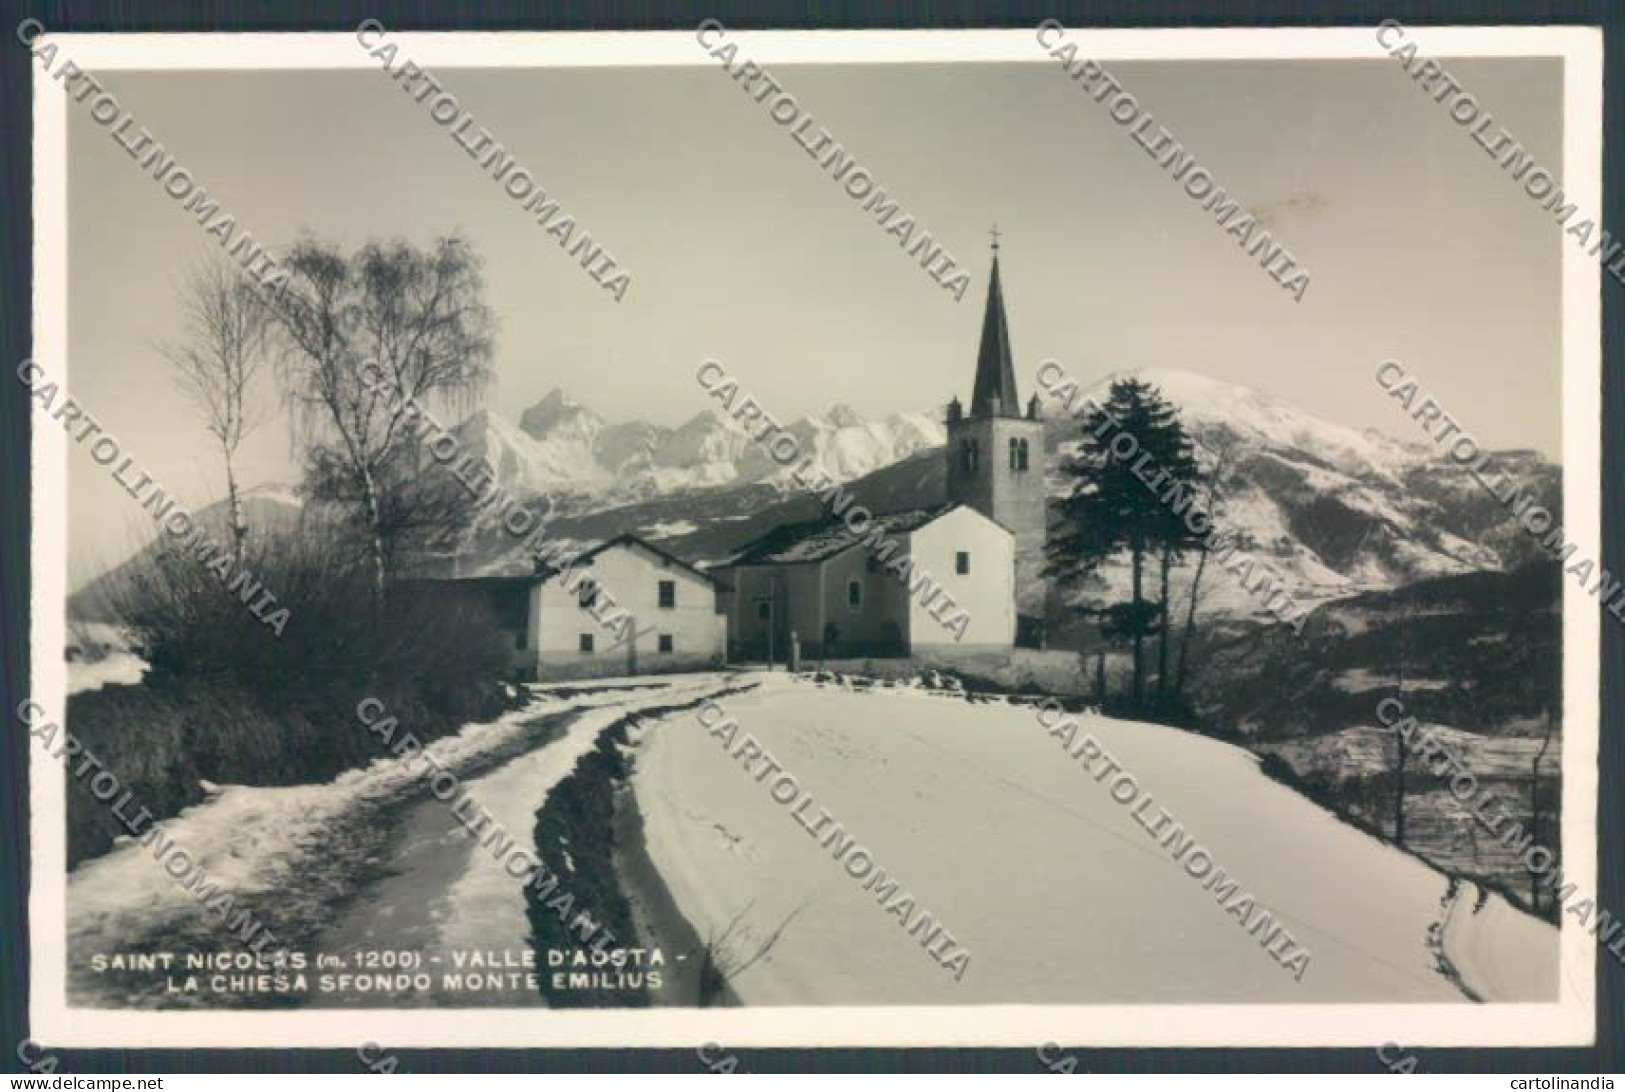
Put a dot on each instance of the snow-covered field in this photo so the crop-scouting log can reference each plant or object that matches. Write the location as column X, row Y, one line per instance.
column 1058, row 892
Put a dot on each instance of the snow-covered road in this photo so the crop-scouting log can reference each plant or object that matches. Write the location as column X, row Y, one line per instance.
column 1058, row 892
column 368, row 862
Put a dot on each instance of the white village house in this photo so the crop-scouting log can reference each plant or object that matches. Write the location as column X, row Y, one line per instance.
column 624, row 607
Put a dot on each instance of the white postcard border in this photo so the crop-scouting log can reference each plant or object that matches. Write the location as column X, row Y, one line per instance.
column 1569, row 1021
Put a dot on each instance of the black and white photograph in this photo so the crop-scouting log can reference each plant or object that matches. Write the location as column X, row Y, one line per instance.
column 728, row 538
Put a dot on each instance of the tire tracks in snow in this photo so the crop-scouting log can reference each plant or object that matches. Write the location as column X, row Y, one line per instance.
column 597, row 862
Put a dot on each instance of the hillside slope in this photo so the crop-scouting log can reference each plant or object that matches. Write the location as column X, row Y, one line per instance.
column 1480, row 652
column 1482, row 664
column 1059, row 893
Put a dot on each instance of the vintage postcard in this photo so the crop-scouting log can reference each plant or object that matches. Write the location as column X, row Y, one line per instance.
column 722, row 539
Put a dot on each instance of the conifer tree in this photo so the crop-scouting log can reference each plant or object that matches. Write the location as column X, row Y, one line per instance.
column 1133, row 452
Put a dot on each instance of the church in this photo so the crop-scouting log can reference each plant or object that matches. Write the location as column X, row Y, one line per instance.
column 838, row 596
column 995, row 452
column 948, row 577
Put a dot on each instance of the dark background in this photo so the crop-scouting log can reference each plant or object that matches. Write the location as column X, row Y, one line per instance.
column 16, row 241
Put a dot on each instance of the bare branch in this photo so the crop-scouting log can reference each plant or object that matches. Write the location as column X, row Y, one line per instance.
column 375, row 339
column 218, row 362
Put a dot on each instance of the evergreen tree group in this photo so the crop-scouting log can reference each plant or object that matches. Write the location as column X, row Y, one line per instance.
column 1133, row 458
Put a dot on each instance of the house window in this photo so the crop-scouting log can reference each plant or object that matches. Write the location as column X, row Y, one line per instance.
column 854, row 594
column 764, row 610
column 668, row 594
column 586, row 642
column 665, row 642
column 962, row 563
column 587, row 594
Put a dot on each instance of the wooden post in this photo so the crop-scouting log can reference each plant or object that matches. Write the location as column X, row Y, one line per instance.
column 632, row 646
column 772, row 621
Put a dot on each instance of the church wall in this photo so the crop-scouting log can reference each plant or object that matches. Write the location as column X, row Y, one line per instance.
column 878, row 626
column 793, row 592
column 987, row 593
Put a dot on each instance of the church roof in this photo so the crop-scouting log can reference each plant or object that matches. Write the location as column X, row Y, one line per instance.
column 818, row 540
column 995, row 366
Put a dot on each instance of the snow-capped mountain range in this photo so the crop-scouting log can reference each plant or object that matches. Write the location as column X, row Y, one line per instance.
column 1334, row 510
column 562, row 447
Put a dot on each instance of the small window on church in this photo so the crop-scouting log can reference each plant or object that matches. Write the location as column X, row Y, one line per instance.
column 854, row 594
column 1021, row 449
column 1015, row 453
column 962, row 563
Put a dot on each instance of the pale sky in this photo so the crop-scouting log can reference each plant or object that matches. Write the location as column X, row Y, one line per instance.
column 1419, row 246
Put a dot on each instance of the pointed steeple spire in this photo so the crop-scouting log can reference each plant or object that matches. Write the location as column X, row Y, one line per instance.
column 995, row 391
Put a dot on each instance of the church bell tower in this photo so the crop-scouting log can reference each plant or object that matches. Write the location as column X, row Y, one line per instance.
column 996, row 452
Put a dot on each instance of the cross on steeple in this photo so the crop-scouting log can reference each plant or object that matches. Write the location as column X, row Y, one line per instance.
column 995, row 392
column 994, row 231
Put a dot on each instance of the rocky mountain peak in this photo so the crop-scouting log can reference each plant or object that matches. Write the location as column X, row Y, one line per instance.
column 558, row 411
column 842, row 415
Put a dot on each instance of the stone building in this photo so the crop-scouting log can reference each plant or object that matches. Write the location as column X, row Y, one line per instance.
column 845, row 592
column 995, row 452
column 625, row 607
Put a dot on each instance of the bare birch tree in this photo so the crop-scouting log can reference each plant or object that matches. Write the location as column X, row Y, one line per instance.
column 377, row 337
column 218, row 363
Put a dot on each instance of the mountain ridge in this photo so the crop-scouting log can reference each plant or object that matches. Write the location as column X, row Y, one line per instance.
column 1335, row 510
